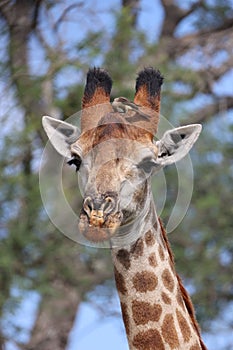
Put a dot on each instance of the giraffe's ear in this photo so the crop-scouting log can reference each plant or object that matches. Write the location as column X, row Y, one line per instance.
column 60, row 134
column 176, row 143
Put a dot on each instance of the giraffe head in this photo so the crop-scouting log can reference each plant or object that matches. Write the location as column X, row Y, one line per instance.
column 115, row 153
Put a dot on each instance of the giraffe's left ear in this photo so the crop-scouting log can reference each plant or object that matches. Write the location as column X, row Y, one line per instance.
column 176, row 143
column 60, row 134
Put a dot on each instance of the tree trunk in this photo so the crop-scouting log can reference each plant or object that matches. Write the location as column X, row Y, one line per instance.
column 55, row 318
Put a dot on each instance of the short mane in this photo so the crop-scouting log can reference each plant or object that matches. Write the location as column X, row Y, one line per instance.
column 186, row 298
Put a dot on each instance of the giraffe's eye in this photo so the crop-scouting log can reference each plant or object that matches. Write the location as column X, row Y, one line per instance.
column 76, row 160
column 146, row 165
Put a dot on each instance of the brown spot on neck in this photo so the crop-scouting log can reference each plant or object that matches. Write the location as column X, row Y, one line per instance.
column 137, row 248
column 184, row 327
column 124, row 258
column 148, row 340
column 145, row 281
column 149, row 238
column 179, row 298
column 161, row 253
column 152, row 260
column 168, row 280
column 155, row 226
column 169, row 332
column 143, row 312
column 166, row 298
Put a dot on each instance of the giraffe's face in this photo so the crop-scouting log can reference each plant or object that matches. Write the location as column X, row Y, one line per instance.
column 115, row 161
column 114, row 176
column 116, row 154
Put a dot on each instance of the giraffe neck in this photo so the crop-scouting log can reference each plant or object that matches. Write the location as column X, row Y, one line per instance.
column 156, row 309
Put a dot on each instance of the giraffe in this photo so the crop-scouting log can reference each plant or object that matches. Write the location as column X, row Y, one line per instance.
column 116, row 155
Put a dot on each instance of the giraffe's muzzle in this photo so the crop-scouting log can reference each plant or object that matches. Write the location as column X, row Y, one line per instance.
column 99, row 218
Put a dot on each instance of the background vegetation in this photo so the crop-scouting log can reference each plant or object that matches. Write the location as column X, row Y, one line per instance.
column 46, row 48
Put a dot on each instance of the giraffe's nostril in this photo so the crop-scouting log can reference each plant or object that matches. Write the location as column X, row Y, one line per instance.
column 108, row 205
column 88, row 206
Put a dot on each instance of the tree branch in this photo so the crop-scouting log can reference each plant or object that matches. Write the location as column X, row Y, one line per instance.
column 61, row 19
column 220, row 105
column 174, row 15
column 58, row 308
column 66, row 290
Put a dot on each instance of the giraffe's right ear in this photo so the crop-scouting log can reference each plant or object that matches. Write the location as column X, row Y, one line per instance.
column 60, row 134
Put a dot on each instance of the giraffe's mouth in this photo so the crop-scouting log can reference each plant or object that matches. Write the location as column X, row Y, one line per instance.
column 98, row 228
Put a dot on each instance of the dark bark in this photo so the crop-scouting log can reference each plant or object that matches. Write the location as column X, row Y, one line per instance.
column 221, row 105
column 55, row 318
column 21, row 18
column 2, row 342
column 69, row 280
column 174, row 15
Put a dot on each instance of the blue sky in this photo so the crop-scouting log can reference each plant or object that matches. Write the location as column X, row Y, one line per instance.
column 92, row 330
